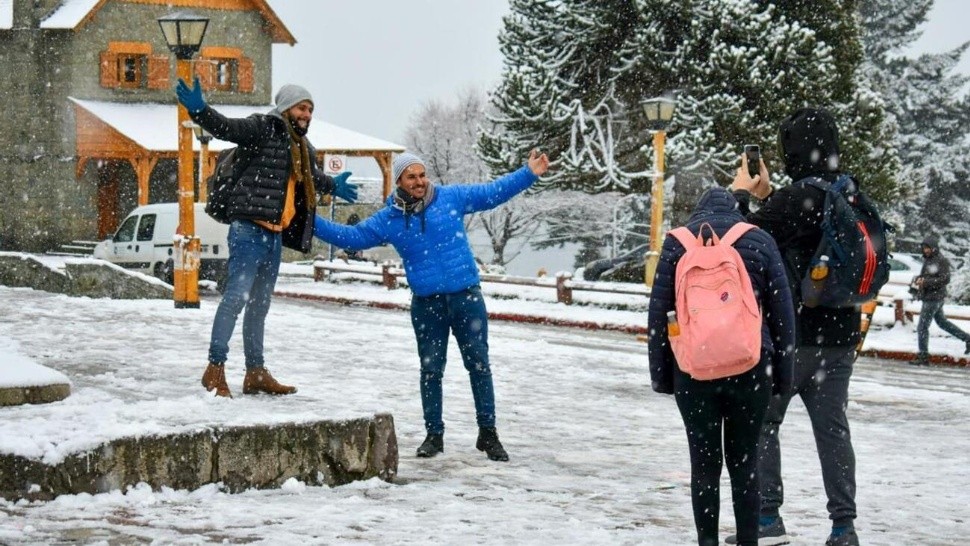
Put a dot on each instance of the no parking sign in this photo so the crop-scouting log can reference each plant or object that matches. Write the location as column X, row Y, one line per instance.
column 334, row 164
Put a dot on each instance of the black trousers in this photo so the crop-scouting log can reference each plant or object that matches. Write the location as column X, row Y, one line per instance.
column 723, row 420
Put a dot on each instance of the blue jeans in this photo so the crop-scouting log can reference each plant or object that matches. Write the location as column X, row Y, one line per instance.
column 463, row 314
column 822, row 381
column 933, row 310
column 254, row 263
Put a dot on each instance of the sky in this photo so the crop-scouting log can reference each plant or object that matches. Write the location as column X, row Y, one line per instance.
column 596, row 457
column 372, row 63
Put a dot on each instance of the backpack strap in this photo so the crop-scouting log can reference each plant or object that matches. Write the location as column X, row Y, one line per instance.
column 684, row 237
column 735, row 233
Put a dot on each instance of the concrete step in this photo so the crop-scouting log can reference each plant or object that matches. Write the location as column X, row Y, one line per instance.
column 262, row 456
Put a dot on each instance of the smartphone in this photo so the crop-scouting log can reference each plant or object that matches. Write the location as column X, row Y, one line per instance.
column 753, row 153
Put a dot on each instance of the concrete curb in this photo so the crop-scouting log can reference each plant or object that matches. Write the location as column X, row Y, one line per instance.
column 261, row 456
column 43, row 394
column 511, row 317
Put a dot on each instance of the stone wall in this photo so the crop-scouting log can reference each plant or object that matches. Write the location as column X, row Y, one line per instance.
column 81, row 277
column 264, row 456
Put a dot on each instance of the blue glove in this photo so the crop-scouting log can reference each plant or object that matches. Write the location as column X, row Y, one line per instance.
column 191, row 99
column 343, row 189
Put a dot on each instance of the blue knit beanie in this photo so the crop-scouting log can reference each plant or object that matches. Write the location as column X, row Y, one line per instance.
column 402, row 162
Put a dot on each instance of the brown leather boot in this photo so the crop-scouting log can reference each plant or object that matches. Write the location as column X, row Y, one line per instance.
column 260, row 380
column 215, row 378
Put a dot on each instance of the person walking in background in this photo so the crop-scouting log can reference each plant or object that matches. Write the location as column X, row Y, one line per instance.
column 825, row 337
column 356, row 255
column 272, row 205
column 731, row 407
column 425, row 224
column 931, row 288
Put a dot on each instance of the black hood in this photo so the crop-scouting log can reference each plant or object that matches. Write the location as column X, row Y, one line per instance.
column 932, row 242
column 809, row 140
column 716, row 201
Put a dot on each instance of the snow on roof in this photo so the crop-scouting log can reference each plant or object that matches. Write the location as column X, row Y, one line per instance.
column 6, row 14
column 70, row 14
column 152, row 126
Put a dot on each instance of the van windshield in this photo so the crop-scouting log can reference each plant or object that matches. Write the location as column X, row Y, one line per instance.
column 127, row 230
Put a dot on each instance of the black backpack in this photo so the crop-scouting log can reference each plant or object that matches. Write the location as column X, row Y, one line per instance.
column 853, row 244
column 220, row 185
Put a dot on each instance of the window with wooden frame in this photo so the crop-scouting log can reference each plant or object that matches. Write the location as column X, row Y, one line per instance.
column 132, row 65
column 224, row 69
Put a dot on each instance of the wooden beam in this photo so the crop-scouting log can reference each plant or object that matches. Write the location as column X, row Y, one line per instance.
column 384, row 162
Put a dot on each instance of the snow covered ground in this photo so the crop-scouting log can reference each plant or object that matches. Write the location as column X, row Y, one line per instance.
column 597, row 458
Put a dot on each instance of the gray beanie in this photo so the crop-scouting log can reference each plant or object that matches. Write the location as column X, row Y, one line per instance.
column 402, row 162
column 931, row 241
column 289, row 96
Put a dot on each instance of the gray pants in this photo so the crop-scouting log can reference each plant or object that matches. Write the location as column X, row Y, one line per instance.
column 822, row 380
column 933, row 310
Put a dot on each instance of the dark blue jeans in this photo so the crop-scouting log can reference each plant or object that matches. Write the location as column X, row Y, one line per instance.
column 933, row 310
column 462, row 314
column 822, row 381
column 254, row 263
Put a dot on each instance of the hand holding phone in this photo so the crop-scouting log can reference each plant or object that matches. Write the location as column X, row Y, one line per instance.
column 752, row 153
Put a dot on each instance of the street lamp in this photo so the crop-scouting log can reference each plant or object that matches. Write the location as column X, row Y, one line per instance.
column 183, row 33
column 659, row 112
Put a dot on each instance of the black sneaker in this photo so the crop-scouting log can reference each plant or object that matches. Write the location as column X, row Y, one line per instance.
column 433, row 444
column 846, row 537
column 488, row 442
column 771, row 534
column 920, row 360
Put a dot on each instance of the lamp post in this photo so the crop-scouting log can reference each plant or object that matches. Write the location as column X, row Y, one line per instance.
column 183, row 33
column 204, row 138
column 659, row 112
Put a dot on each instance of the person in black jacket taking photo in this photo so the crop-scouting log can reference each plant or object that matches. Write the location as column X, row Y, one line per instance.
column 271, row 205
column 736, row 404
column 826, row 337
column 931, row 288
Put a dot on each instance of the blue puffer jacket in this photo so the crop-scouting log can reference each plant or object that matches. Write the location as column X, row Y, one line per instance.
column 762, row 260
column 435, row 251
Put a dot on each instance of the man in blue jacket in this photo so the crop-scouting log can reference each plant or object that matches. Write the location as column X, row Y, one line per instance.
column 425, row 223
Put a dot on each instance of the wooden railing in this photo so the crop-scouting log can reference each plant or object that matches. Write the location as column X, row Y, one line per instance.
column 388, row 275
column 563, row 283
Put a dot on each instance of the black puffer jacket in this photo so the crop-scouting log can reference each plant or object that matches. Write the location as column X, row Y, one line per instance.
column 762, row 261
column 260, row 191
column 793, row 217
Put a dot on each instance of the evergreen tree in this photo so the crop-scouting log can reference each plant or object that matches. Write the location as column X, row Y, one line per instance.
column 577, row 70
column 866, row 132
column 926, row 98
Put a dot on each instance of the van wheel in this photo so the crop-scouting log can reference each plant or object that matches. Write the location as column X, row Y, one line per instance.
column 166, row 271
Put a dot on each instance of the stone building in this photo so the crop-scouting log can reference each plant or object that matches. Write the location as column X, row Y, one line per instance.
column 89, row 129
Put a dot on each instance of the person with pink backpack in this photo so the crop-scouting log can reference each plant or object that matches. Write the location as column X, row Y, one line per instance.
column 721, row 327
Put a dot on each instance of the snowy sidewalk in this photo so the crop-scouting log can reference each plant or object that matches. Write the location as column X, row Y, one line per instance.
column 597, row 458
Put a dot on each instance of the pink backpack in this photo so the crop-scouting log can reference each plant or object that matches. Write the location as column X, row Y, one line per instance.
column 718, row 315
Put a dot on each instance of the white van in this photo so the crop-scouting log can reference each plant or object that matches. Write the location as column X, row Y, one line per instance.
column 144, row 242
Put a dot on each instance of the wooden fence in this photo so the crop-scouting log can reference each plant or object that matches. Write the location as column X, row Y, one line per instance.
column 564, row 285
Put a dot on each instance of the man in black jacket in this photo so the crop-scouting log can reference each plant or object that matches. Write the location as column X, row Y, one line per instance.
column 931, row 288
column 272, row 205
column 825, row 337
